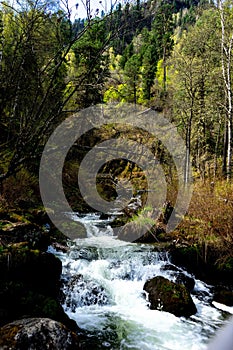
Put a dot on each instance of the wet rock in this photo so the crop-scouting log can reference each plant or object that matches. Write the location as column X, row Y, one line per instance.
column 80, row 292
column 18, row 299
column 104, row 216
column 170, row 267
column 37, row 334
column 187, row 281
column 38, row 268
column 60, row 247
column 179, row 276
column 223, row 296
column 151, row 236
column 170, row 297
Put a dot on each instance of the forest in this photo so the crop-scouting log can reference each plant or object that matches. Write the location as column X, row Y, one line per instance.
column 170, row 58
column 174, row 57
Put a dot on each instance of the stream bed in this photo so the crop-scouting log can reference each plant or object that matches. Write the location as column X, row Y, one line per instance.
column 103, row 281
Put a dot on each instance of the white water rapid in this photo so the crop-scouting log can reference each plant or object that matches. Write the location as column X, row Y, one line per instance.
column 103, row 287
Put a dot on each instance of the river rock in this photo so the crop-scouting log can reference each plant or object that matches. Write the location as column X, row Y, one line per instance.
column 37, row 334
column 223, row 296
column 170, row 267
column 30, row 285
column 81, row 292
column 32, row 266
column 187, row 281
column 168, row 296
column 179, row 276
column 152, row 235
column 130, row 232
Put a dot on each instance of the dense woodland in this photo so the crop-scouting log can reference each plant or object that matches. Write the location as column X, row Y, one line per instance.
column 171, row 56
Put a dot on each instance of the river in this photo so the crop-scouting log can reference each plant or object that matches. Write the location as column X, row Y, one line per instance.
column 103, row 280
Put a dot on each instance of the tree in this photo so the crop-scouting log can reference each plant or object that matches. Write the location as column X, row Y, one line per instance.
column 35, row 43
column 197, row 88
column 90, row 65
column 162, row 29
column 150, row 57
column 226, row 15
column 32, row 78
column 132, row 76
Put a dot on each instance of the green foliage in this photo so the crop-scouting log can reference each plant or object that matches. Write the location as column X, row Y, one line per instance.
column 196, row 85
column 90, row 65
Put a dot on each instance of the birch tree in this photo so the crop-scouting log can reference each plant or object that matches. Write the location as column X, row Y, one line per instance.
column 226, row 16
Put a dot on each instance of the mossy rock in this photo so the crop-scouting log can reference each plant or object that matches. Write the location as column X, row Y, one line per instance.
column 223, row 296
column 31, row 266
column 168, row 296
column 37, row 333
column 187, row 281
column 18, row 299
column 69, row 229
column 130, row 232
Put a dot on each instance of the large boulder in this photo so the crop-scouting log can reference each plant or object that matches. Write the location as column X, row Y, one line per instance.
column 30, row 285
column 168, row 296
column 223, row 295
column 31, row 266
column 37, row 334
column 179, row 276
column 30, row 276
column 187, row 281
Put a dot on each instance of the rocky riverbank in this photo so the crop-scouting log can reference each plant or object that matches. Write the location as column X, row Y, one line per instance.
column 208, row 260
column 30, row 285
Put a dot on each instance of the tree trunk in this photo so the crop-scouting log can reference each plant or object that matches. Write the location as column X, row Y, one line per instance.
column 226, row 53
column 187, row 154
column 164, row 70
column 224, row 156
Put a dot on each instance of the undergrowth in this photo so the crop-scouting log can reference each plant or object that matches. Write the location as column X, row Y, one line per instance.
column 210, row 214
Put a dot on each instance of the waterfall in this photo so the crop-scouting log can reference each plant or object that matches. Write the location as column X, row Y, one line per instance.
column 103, row 281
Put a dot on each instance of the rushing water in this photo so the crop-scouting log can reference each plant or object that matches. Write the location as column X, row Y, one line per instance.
column 103, row 287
